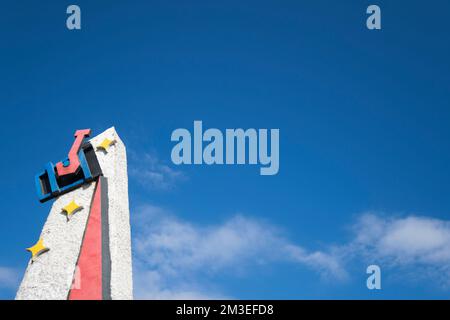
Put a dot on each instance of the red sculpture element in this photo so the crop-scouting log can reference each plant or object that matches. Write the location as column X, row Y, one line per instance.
column 90, row 277
column 63, row 169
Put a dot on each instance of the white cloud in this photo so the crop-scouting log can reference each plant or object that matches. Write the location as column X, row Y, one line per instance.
column 149, row 171
column 172, row 255
column 8, row 278
column 175, row 259
column 404, row 241
column 328, row 265
column 155, row 285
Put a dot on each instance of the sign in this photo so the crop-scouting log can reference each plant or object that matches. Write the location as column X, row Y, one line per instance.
column 80, row 167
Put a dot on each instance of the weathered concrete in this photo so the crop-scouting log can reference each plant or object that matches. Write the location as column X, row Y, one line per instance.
column 114, row 166
column 50, row 275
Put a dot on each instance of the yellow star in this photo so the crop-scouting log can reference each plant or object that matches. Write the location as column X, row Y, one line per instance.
column 106, row 144
column 37, row 249
column 71, row 208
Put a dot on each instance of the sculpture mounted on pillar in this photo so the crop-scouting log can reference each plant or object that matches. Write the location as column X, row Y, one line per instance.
column 84, row 250
column 80, row 167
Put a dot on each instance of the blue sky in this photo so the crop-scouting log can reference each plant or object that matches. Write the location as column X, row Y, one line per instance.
column 364, row 125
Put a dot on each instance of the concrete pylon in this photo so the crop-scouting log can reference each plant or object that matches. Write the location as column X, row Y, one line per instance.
column 84, row 251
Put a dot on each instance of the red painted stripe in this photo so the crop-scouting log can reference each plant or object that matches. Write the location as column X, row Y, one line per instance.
column 88, row 281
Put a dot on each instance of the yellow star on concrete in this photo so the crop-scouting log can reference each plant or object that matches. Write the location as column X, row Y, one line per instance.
column 71, row 208
column 106, row 144
column 37, row 249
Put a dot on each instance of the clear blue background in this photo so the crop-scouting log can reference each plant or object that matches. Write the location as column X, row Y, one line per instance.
column 364, row 115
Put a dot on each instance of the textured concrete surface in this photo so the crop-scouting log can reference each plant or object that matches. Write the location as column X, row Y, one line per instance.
column 114, row 166
column 50, row 275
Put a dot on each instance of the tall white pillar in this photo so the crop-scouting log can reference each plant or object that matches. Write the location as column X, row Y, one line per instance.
column 92, row 246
